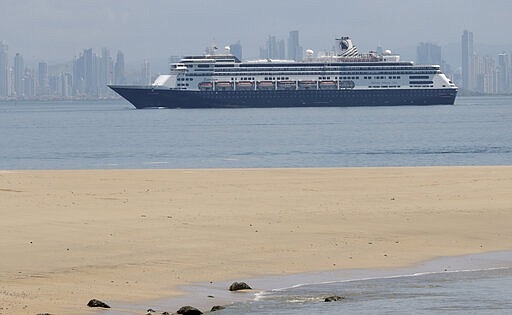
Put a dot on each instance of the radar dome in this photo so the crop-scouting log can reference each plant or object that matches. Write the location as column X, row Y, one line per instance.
column 387, row 52
column 309, row 52
column 227, row 49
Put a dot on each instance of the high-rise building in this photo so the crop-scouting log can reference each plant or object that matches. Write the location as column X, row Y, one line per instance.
column 91, row 73
column 281, row 49
column 119, row 75
column 145, row 78
column 468, row 72
column 87, row 80
column 42, row 79
column 4, row 69
column 274, row 49
column 503, row 73
column 294, row 48
column 429, row 54
column 236, row 50
column 78, row 77
column 19, row 75
column 106, row 71
column 29, row 83
column 270, row 49
column 486, row 75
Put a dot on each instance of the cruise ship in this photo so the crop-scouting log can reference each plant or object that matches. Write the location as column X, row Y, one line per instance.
column 343, row 77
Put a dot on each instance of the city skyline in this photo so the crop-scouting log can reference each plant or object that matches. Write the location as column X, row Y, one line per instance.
column 88, row 73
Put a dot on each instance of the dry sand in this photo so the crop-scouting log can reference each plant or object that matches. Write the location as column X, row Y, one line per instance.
column 133, row 235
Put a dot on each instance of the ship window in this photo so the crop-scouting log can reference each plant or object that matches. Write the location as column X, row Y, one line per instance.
column 421, row 82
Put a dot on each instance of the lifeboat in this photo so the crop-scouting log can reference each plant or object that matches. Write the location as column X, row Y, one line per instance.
column 347, row 84
column 265, row 85
column 205, row 86
column 307, row 85
column 245, row 86
column 224, row 86
column 328, row 85
column 286, row 85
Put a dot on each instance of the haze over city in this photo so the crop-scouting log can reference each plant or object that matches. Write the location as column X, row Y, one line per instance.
column 58, row 30
column 75, row 48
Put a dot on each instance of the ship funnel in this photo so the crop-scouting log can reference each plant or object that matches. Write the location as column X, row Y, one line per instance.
column 345, row 47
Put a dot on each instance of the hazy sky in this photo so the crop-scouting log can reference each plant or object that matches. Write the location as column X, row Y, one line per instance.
column 148, row 29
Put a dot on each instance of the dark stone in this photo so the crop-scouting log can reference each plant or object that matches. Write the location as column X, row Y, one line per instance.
column 166, row 313
column 150, row 310
column 217, row 308
column 189, row 310
column 334, row 298
column 235, row 286
column 40, row 313
column 97, row 303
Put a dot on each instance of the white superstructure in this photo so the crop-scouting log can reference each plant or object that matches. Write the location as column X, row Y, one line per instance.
column 345, row 68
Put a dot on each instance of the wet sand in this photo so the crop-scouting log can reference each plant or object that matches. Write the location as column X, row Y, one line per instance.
column 136, row 235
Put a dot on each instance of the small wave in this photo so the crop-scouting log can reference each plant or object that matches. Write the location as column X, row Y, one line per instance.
column 263, row 294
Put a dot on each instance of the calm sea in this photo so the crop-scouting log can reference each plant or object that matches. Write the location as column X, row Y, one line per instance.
column 105, row 135
column 464, row 292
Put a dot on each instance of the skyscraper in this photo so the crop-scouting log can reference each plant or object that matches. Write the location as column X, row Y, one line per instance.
column 294, row 49
column 236, row 50
column 428, row 54
column 281, row 49
column 145, row 78
column 19, row 73
column 270, row 49
column 106, row 71
column 4, row 69
column 503, row 73
column 119, row 76
column 91, row 73
column 42, row 79
column 485, row 75
column 468, row 71
column 274, row 49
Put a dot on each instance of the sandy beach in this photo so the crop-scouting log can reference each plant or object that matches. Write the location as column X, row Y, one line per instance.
column 135, row 235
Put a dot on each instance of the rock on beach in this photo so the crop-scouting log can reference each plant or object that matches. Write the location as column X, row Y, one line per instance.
column 235, row 286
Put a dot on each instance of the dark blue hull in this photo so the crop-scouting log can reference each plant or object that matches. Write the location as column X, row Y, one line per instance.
column 144, row 97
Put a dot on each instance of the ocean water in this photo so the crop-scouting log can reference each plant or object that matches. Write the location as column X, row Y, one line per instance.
column 107, row 135
column 463, row 292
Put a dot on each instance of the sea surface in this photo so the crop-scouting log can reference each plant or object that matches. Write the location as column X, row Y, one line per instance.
column 113, row 135
column 463, row 292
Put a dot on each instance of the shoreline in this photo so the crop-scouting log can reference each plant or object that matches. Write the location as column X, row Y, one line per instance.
column 142, row 235
column 197, row 294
